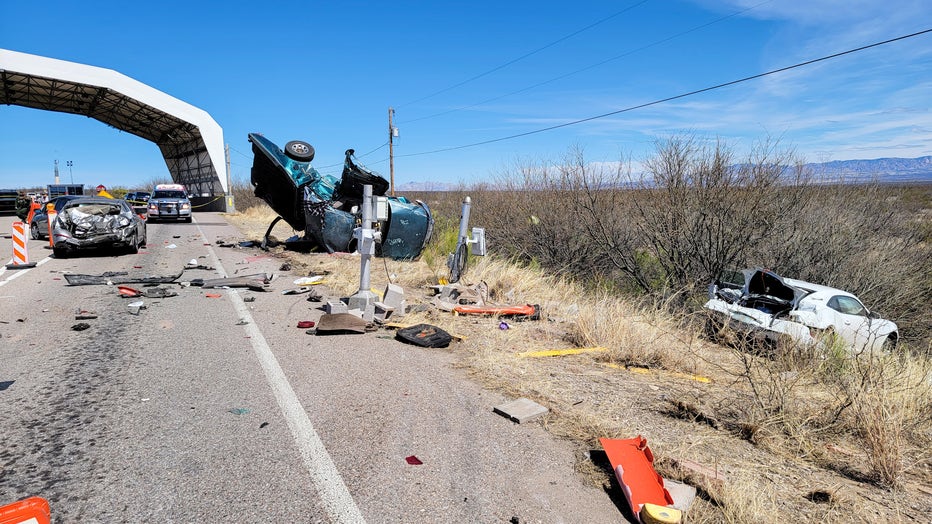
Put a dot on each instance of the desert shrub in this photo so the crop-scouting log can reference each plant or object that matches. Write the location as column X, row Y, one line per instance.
column 532, row 216
column 244, row 196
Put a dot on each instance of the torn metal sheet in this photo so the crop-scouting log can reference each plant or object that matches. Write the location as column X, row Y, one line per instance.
column 257, row 282
column 159, row 292
column 117, row 277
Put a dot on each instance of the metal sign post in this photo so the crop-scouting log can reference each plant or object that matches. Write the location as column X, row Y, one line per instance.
column 366, row 238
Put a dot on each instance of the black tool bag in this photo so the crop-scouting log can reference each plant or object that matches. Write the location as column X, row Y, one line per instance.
column 424, row 335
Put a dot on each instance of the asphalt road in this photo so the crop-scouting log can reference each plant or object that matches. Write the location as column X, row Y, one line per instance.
column 205, row 409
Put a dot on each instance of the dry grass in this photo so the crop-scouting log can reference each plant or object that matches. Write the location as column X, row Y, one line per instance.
column 786, row 431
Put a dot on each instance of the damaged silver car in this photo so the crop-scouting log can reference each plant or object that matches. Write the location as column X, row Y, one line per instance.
column 94, row 223
column 761, row 306
column 327, row 208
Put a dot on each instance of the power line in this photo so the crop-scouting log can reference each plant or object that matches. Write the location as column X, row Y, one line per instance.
column 668, row 99
column 593, row 66
column 522, row 57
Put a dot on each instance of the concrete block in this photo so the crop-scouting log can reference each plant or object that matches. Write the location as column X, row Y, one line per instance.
column 383, row 312
column 335, row 306
column 367, row 314
column 394, row 297
column 521, row 410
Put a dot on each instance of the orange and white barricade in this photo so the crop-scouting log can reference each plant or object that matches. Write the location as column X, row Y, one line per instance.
column 34, row 510
column 20, row 248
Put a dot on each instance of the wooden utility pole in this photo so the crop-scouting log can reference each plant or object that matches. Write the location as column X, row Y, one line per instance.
column 391, row 150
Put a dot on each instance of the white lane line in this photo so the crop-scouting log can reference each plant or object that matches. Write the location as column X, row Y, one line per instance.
column 16, row 273
column 334, row 495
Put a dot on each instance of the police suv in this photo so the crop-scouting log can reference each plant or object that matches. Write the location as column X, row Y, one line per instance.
column 169, row 202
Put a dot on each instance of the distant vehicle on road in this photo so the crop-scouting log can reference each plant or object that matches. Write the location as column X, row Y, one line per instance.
column 39, row 226
column 169, row 202
column 8, row 199
column 97, row 222
column 139, row 200
column 137, row 197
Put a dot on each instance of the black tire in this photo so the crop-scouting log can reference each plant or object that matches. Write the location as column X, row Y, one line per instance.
column 299, row 150
column 188, row 220
column 133, row 247
column 889, row 344
column 59, row 252
column 34, row 231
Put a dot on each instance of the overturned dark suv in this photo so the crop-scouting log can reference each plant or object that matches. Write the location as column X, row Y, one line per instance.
column 327, row 209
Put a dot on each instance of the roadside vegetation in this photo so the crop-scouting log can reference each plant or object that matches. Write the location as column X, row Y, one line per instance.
column 621, row 262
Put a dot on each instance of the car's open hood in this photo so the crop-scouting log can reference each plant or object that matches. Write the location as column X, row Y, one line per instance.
column 765, row 282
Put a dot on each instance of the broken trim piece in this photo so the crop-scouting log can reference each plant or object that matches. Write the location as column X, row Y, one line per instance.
column 117, row 277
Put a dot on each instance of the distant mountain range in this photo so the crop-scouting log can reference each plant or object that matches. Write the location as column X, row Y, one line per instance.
column 884, row 170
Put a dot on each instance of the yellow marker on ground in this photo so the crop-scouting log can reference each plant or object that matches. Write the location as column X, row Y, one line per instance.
column 560, row 352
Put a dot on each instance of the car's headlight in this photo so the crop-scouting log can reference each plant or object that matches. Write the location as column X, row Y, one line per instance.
column 186, row 205
column 123, row 221
column 153, row 206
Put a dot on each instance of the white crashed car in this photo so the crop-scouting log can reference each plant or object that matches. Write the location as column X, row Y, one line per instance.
column 762, row 306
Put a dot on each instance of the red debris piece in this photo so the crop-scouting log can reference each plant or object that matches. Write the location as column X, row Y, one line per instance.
column 414, row 461
column 213, row 295
column 128, row 292
column 304, row 324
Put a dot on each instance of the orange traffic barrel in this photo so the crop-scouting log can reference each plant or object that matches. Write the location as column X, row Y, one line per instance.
column 31, row 510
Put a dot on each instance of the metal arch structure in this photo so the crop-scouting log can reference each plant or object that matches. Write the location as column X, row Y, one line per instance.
column 190, row 140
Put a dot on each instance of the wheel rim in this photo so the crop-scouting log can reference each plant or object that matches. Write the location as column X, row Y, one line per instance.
column 299, row 149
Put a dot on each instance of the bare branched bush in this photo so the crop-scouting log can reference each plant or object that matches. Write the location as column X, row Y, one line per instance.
column 532, row 217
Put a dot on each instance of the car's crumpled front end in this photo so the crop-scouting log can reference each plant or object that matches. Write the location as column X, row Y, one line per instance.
column 760, row 307
column 328, row 209
column 94, row 224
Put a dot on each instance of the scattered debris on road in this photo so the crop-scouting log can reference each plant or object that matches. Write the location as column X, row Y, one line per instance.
column 341, row 323
column 117, row 277
column 257, row 282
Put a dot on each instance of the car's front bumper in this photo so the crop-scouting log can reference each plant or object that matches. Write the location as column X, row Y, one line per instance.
column 168, row 210
column 757, row 326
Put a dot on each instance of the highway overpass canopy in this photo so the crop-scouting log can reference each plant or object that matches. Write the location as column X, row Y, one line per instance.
column 190, row 140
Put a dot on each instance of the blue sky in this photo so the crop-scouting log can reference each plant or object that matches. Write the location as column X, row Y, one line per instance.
column 327, row 72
